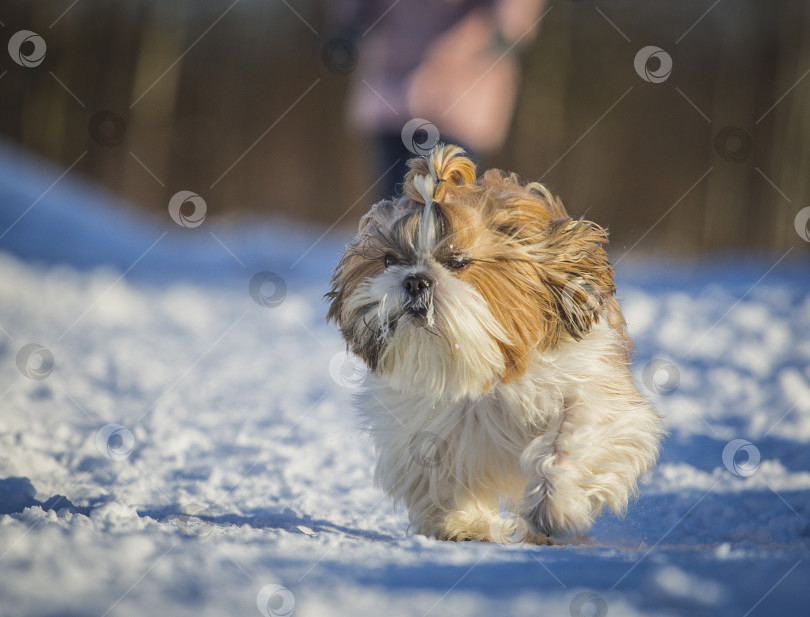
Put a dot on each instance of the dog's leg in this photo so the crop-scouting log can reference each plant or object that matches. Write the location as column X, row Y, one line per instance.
column 469, row 520
column 473, row 519
column 590, row 455
column 440, row 507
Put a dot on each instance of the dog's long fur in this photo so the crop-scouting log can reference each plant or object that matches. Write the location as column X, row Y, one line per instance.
column 499, row 356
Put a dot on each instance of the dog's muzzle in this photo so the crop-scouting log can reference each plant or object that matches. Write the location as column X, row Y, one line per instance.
column 418, row 294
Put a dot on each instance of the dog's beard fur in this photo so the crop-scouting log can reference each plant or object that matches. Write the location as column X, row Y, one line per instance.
column 450, row 351
column 455, row 295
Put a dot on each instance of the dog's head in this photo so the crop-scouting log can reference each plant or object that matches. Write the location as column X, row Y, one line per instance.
column 449, row 288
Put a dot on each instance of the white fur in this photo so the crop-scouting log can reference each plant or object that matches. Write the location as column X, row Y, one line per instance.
column 426, row 186
column 569, row 437
column 454, row 354
column 427, row 237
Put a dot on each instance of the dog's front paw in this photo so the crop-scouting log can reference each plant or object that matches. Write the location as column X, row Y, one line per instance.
column 558, row 511
column 514, row 529
column 460, row 526
column 463, row 526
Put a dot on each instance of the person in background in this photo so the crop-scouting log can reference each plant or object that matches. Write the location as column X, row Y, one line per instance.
column 434, row 70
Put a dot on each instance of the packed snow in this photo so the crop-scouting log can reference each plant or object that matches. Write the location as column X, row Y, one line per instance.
column 176, row 434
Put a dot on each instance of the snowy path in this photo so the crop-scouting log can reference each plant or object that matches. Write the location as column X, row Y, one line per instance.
column 238, row 412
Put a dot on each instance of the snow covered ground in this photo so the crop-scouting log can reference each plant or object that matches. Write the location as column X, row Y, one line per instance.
column 179, row 438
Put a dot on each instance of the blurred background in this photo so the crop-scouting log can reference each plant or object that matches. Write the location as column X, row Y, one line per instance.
column 245, row 104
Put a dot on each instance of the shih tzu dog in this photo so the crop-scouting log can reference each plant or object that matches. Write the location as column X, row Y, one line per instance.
column 498, row 357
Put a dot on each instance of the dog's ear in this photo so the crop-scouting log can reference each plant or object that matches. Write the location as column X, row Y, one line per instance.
column 578, row 274
column 335, row 297
column 572, row 281
column 356, row 263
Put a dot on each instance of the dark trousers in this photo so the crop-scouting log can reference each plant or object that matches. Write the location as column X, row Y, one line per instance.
column 392, row 156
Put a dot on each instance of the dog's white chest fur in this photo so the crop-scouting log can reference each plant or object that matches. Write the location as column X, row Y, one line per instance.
column 543, row 446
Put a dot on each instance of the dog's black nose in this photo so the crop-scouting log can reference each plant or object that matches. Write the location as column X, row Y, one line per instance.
column 416, row 284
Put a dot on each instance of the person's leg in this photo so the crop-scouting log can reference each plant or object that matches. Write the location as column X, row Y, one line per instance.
column 391, row 168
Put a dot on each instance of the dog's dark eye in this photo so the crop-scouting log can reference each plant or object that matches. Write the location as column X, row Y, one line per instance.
column 389, row 260
column 457, row 263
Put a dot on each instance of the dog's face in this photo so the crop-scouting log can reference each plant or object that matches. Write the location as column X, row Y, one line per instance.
column 449, row 289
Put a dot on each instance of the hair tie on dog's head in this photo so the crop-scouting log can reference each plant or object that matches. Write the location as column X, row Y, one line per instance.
column 444, row 164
